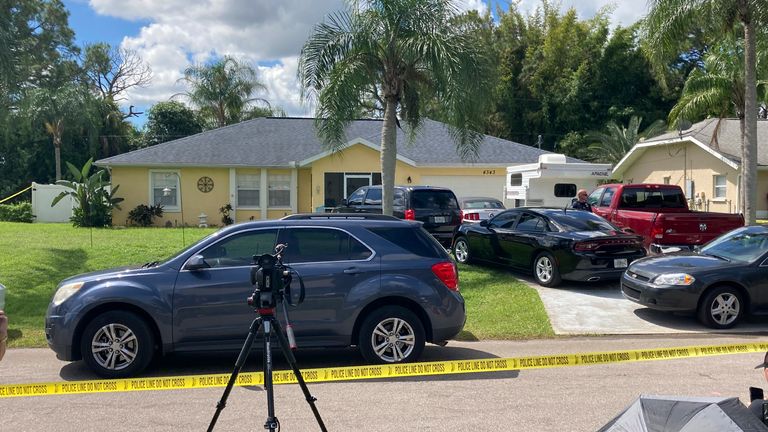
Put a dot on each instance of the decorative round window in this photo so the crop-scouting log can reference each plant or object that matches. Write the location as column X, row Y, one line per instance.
column 205, row 184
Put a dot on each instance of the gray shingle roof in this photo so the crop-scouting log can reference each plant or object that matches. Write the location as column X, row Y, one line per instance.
column 281, row 141
column 728, row 137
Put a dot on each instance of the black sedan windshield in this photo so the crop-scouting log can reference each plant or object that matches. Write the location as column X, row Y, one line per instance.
column 579, row 220
column 744, row 244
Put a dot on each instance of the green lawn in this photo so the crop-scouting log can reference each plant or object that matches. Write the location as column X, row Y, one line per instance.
column 35, row 257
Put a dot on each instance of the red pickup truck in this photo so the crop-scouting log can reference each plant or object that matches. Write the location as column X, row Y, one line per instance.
column 659, row 213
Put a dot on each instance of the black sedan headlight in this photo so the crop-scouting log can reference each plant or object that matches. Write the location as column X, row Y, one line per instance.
column 683, row 279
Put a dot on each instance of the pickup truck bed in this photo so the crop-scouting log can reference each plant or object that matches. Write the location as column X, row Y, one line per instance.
column 660, row 214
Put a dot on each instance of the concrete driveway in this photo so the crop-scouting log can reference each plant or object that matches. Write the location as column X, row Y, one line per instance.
column 600, row 309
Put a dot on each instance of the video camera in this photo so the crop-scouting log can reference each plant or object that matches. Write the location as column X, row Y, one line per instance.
column 271, row 280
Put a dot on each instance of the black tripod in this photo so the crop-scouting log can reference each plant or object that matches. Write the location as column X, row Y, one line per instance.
column 267, row 319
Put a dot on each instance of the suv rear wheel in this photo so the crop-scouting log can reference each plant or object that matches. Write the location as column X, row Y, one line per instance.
column 117, row 344
column 391, row 334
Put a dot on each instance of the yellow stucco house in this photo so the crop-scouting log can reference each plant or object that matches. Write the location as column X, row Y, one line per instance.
column 270, row 167
column 704, row 160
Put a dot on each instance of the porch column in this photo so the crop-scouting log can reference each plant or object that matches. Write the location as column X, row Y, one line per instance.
column 294, row 189
column 233, row 193
column 263, row 201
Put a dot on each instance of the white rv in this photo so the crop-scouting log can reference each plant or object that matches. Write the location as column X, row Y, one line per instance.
column 534, row 184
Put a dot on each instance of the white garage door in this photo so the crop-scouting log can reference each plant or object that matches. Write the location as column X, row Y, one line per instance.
column 487, row 186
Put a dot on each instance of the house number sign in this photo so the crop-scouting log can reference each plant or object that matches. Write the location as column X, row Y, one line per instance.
column 205, row 184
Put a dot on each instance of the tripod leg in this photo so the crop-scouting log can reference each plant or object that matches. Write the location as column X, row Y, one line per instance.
column 238, row 365
column 283, row 342
column 272, row 423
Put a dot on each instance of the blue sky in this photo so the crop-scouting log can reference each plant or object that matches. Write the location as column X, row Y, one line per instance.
column 170, row 35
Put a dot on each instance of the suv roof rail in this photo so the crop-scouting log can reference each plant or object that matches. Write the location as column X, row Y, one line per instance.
column 337, row 216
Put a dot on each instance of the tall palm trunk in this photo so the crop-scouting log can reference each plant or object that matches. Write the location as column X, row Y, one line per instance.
column 57, row 155
column 56, row 130
column 388, row 156
column 749, row 160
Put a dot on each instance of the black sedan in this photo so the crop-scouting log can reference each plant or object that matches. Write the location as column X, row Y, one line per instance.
column 721, row 282
column 553, row 243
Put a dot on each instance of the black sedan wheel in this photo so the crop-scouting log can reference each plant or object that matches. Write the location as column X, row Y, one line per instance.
column 545, row 270
column 391, row 334
column 117, row 344
column 461, row 250
column 721, row 308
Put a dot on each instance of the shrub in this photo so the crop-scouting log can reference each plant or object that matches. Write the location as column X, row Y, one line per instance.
column 21, row 212
column 226, row 219
column 142, row 215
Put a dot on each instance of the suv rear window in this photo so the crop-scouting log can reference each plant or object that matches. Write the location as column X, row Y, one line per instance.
column 415, row 241
column 434, row 199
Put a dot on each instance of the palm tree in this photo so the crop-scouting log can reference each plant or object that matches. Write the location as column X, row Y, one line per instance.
column 56, row 108
column 610, row 146
column 223, row 90
column 396, row 53
column 719, row 89
column 670, row 20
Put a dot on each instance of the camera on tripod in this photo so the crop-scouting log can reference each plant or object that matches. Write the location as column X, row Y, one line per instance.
column 270, row 279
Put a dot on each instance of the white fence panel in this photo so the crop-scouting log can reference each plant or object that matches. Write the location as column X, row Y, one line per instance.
column 43, row 195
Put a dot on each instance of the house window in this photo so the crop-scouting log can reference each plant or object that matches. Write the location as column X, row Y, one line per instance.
column 667, row 180
column 165, row 189
column 720, row 186
column 279, row 190
column 515, row 179
column 248, row 190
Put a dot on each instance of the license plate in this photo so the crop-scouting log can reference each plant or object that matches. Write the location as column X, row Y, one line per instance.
column 620, row 263
column 440, row 219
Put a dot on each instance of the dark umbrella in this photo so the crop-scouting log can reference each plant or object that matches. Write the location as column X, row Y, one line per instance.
column 685, row 414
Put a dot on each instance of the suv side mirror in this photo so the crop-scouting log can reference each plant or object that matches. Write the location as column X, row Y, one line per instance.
column 197, row 262
column 484, row 223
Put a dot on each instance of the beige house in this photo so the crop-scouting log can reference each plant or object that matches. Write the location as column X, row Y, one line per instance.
column 268, row 168
column 704, row 160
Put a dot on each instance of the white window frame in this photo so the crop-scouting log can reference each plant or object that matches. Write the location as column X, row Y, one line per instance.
column 270, row 187
column 716, row 187
column 238, row 188
column 171, row 174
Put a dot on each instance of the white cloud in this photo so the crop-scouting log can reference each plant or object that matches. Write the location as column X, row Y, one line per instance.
column 266, row 32
column 626, row 12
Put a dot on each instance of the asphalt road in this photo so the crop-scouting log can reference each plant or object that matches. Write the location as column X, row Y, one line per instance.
column 560, row 399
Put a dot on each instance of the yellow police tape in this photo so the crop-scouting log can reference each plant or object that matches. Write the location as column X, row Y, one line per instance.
column 378, row 371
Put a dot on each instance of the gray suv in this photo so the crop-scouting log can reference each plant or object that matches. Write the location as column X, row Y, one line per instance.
column 381, row 284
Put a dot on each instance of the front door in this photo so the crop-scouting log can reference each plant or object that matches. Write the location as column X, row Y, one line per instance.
column 354, row 181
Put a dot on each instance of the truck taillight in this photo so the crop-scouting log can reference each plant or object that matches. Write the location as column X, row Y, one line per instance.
column 410, row 214
column 447, row 273
column 657, row 231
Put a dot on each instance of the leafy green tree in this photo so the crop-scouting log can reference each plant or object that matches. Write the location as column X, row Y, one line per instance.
column 168, row 121
column 94, row 201
column 669, row 20
column 34, row 36
column 35, row 43
column 223, row 91
column 610, row 146
column 395, row 52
